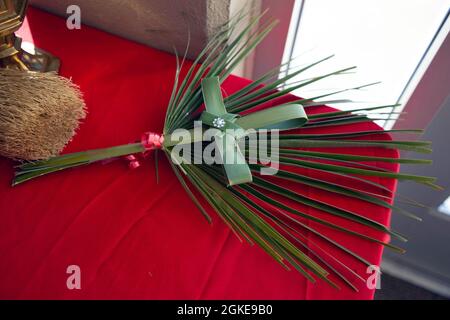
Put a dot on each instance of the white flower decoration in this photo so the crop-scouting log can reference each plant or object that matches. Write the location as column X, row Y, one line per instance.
column 219, row 123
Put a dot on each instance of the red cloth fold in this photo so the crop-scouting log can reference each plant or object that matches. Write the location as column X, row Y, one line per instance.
column 133, row 238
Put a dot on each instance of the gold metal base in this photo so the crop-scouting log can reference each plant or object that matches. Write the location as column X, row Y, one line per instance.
column 37, row 59
column 31, row 58
column 14, row 53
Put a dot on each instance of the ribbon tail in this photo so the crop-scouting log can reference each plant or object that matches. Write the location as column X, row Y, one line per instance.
column 234, row 164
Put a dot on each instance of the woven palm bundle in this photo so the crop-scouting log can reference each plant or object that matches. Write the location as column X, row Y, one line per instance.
column 39, row 113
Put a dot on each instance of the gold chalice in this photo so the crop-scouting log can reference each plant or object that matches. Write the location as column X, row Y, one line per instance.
column 12, row 52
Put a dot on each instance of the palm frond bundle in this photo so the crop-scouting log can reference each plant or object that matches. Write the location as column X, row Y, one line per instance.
column 258, row 208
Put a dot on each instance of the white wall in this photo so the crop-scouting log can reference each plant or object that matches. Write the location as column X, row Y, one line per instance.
column 161, row 24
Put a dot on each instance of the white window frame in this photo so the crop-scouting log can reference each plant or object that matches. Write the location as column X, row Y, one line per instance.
column 419, row 90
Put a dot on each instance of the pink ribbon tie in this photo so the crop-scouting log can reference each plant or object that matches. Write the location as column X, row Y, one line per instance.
column 133, row 161
column 152, row 141
column 149, row 141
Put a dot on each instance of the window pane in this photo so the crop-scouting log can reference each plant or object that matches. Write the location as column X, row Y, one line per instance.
column 385, row 39
column 445, row 207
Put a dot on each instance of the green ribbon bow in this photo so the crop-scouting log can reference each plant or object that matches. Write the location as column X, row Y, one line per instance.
column 282, row 117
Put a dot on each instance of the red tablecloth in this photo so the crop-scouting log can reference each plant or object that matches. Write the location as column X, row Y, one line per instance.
column 131, row 237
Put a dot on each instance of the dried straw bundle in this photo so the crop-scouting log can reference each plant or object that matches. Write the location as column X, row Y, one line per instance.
column 39, row 113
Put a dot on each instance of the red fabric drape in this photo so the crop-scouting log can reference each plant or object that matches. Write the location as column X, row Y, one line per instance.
column 131, row 237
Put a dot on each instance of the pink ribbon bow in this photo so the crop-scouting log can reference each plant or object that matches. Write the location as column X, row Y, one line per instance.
column 149, row 141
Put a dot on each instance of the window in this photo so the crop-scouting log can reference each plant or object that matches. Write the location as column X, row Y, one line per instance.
column 387, row 40
column 445, row 207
